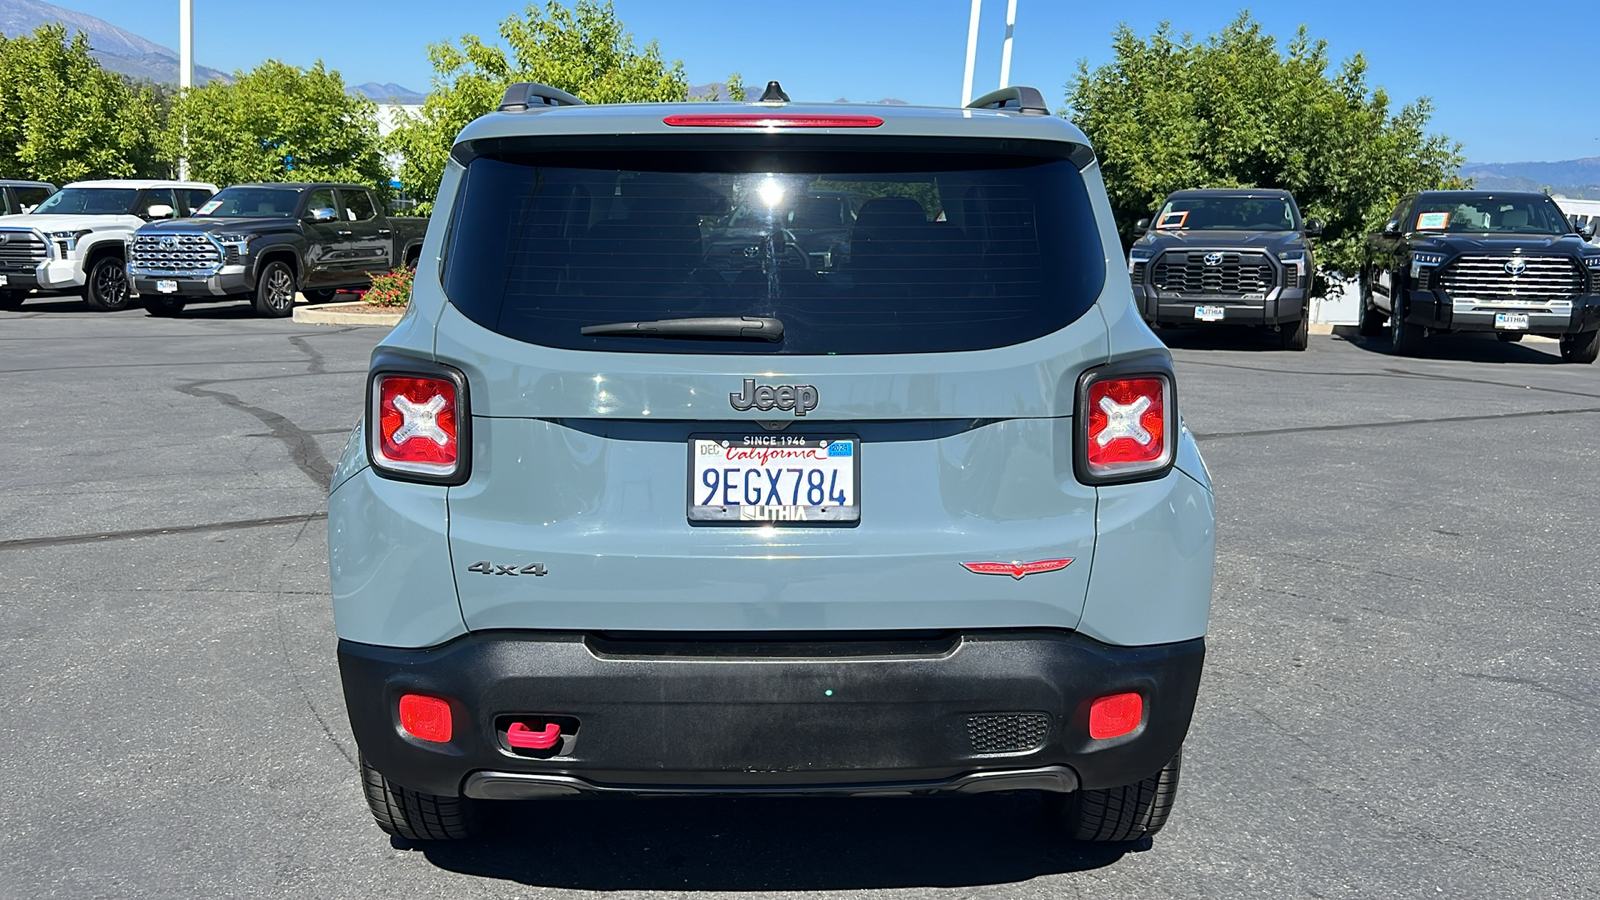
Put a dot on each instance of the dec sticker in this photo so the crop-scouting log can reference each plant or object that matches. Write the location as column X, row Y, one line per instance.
column 1173, row 219
column 1433, row 221
column 209, row 208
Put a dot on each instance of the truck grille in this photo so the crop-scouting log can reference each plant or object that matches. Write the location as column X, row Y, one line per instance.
column 1233, row 275
column 1541, row 279
column 21, row 250
column 175, row 254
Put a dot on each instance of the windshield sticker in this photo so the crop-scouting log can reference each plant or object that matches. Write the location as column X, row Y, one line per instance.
column 1173, row 219
column 209, row 208
column 1433, row 221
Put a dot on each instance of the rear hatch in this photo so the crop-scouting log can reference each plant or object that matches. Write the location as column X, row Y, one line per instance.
column 722, row 387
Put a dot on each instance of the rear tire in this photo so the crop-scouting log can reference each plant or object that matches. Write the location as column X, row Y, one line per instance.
column 12, row 299
column 1405, row 339
column 1582, row 348
column 1299, row 337
column 162, row 305
column 1508, row 337
column 321, row 296
column 107, row 287
column 413, row 815
column 275, row 290
column 1371, row 324
column 1126, row 813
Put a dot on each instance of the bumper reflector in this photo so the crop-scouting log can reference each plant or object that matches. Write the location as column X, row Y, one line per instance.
column 1115, row 715
column 425, row 718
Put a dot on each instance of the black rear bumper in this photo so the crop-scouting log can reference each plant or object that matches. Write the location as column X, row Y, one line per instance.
column 988, row 710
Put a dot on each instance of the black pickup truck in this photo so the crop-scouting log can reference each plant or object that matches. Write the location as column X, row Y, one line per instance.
column 1462, row 261
column 265, row 242
column 1236, row 256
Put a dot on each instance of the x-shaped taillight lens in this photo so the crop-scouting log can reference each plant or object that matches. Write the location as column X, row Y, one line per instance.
column 417, row 424
column 1129, row 429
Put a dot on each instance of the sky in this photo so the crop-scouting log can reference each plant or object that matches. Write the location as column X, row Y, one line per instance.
column 1460, row 55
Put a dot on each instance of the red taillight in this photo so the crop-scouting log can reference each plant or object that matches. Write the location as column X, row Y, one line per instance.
column 417, row 425
column 1115, row 715
column 1129, row 426
column 771, row 120
column 425, row 718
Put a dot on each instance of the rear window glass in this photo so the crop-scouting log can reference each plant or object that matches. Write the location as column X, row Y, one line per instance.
column 854, row 252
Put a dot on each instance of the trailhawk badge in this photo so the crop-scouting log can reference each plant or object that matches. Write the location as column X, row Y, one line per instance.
column 1017, row 569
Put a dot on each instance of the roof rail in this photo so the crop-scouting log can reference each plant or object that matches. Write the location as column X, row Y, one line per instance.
column 524, row 94
column 1025, row 100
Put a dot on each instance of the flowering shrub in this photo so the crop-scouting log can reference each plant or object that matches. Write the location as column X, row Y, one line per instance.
column 390, row 289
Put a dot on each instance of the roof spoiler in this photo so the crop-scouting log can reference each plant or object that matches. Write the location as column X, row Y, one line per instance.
column 524, row 94
column 1020, row 98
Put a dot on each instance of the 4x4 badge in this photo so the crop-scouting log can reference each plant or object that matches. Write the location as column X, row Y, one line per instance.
column 802, row 398
column 1017, row 569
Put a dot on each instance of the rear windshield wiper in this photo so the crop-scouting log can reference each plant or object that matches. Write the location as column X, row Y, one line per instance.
column 747, row 327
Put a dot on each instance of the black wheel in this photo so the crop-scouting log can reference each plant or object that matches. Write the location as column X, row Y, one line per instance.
column 164, row 305
column 322, row 295
column 1508, row 337
column 12, row 299
column 1582, row 348
column 1371, row 319
column 416, row 816
column 1405, row 339
column 107, row 289
column 1298, row 336
column 274, row 293
column 1125, row 813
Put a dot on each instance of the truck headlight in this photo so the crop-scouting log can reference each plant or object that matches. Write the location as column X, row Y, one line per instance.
column 1591, row 263
column 238, row 242
column 67, row 241
column 1420, row 261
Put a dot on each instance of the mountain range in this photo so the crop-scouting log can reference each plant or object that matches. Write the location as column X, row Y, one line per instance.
column 1576, row 178
column 129, row 54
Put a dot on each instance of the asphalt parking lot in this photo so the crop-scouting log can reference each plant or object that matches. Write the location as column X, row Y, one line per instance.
column 1402, row 697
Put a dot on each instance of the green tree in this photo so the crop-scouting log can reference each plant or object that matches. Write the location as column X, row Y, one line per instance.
column 65, row 118
column 278, row 122
column 1233, row 111
column 583, row 50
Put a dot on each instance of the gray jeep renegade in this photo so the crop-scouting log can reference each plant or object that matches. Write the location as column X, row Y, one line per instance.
column 771, row 448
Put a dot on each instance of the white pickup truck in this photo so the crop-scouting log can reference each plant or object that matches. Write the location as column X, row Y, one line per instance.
column 76, row 241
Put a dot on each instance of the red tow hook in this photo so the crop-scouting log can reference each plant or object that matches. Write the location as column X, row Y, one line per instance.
column 524, row 738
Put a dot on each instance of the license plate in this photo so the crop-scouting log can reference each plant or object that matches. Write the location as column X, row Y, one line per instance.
column 1511, row 321
column 1210, row 313
column 764, row 478
column 167, row 287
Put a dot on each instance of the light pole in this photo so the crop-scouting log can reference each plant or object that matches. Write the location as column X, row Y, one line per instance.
column 1005, row 55
column 186, row 73
column 972, row 52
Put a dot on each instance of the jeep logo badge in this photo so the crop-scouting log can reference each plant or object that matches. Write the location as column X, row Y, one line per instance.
column 802, row 398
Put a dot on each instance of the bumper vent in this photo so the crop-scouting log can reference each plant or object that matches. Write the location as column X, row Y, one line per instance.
column 1228, row 275
column 1007, row 732
column 21, row 250
column 1527, row 279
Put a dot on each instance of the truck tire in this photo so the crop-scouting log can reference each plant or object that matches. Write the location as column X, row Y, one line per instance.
column 12, row 299
column 1508, row 337
column 106, row 288
column 1371, row 323
column 1298, row 337
column 1581, row 348
column 1126, row 813
column 322, row 295
column 1405, row 339
column 163, row 305
column 275, row 289
column 413, row 815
